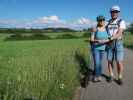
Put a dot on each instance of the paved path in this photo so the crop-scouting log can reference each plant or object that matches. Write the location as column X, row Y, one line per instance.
column 112, row 91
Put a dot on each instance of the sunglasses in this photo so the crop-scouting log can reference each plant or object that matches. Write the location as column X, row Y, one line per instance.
column 115, row 11
column 101, row 20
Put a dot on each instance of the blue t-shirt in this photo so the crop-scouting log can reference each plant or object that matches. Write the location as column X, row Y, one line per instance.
column 100, row 36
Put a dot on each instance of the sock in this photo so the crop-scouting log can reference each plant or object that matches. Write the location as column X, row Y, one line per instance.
column 120, row 76
column 112, row 74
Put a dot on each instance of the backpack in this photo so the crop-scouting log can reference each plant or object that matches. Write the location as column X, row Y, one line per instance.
column 111, row 44
column 117, row 23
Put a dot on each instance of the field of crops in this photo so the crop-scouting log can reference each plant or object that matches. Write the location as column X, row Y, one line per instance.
column 128, row 40
column 40, row 69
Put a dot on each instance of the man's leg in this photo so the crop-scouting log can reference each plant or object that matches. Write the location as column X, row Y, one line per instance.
column 120, row 69
column 119, row 60
column 110, row 57
column 110, row 68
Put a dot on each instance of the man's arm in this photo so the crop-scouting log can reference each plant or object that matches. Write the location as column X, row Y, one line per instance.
column 118, row 34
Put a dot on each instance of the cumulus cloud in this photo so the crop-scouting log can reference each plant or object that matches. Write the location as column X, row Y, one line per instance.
column 84, row 21
column 49, row 21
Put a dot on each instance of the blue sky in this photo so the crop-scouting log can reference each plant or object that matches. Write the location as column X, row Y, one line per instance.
column 63, row 12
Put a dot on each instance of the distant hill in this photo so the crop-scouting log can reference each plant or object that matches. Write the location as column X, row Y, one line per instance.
column 23, row 30
column 59, row 29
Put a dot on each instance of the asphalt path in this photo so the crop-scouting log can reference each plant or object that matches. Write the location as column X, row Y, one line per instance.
column 110, row 91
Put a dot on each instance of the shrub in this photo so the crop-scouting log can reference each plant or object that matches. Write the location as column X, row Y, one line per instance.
column 66, row 36
column 40, row 36
column 86, row 34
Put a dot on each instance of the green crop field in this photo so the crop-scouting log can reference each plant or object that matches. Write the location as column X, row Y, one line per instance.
column 40, row 69
column 128, row 40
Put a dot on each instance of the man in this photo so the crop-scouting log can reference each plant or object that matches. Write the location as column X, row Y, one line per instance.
column 115, row 51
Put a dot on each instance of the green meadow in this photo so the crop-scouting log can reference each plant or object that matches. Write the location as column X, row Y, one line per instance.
column 40, row 69
column 128, row 40
column 37, row 69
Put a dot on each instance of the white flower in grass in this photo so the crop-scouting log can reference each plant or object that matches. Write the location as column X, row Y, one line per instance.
column 62, row 86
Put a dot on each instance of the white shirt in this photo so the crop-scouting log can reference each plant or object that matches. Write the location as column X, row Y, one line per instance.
column 113, row 26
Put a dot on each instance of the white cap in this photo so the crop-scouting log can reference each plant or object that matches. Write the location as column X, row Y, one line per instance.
column 115, row 8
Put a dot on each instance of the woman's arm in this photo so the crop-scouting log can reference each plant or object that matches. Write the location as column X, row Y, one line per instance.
column 92, row 39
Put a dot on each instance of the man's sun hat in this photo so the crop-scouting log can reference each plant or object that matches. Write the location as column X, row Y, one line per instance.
column 115, row 8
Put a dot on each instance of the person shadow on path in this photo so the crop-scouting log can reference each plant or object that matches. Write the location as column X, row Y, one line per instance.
column 86, row 70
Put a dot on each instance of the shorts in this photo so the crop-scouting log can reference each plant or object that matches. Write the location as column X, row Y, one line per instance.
column 116, row 51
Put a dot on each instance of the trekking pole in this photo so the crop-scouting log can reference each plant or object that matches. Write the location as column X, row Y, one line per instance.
column 114, row 44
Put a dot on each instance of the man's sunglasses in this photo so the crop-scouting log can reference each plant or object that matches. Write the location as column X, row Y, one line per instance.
column 115, row 11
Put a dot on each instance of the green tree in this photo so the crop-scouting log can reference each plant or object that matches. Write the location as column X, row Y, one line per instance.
column 130, row 28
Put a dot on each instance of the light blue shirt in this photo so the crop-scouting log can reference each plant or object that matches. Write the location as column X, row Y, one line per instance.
column 100, row 36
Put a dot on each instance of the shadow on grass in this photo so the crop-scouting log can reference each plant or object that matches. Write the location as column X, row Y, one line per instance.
column 85, row 71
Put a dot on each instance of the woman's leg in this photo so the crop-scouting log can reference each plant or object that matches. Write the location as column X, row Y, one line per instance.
column 101, row 62
column 96, row 63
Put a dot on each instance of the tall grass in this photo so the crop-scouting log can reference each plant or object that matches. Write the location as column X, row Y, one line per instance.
column 40, row 70
column 128, row 40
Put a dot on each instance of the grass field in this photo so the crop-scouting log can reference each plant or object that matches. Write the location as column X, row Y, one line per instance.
column 128, row 40
column 40, row 69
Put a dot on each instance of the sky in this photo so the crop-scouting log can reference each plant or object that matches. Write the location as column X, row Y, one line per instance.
column 59, row 13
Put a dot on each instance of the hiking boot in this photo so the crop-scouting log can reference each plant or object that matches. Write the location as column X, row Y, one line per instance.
column 119, row 81
column 110, row 79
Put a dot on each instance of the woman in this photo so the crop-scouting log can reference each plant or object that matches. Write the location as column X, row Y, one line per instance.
column 99, row 38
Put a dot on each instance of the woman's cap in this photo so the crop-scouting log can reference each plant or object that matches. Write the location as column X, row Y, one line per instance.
column 100, row 18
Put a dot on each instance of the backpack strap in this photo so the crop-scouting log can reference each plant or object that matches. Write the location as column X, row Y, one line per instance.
column 107, row 27
column 118, row 22
column 109, row 22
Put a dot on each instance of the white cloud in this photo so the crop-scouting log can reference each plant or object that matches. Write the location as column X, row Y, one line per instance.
column 84, row 21
column 49, row 21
